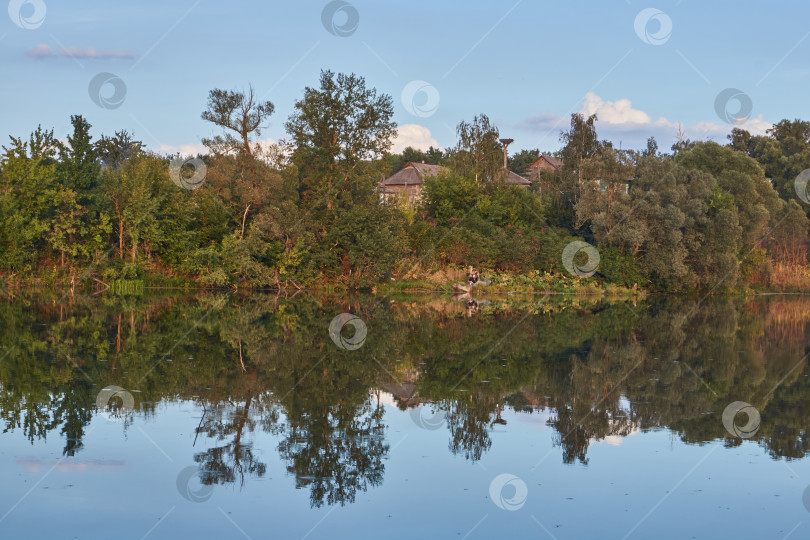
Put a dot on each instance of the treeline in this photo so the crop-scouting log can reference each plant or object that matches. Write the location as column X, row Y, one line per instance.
column 308, row 209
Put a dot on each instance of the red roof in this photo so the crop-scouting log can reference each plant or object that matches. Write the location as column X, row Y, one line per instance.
column 551, row 160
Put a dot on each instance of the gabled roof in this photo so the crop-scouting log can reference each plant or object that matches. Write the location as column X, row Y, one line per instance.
column 517, row 179
column 551, row 160
column 413, row 174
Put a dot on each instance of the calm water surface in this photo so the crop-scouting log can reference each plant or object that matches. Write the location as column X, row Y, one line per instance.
column 226, row 416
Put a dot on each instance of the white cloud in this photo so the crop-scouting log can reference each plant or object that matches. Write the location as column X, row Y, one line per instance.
column 616, row 112
column 91, row 52
column 40, row 51
column 755, row 126
column 188, row 149
column 619, row 121
column 192, row 149
column 415, row 136
column 44, row 50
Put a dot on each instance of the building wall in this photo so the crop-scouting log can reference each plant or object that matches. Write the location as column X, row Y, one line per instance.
column 412, row 191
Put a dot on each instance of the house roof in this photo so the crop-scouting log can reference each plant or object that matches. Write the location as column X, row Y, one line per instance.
column 517, row 179
column 551, row 160
column 412, row 174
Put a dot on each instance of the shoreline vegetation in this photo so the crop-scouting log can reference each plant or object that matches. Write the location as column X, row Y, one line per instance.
column 310, row 213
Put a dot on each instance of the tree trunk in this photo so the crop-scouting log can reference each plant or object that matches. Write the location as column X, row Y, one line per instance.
column 246, row 142
column 118, row 337
column 244, row 217
column 121, row 238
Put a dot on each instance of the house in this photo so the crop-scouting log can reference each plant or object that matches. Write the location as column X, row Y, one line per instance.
column 408, row 181
column 544, row 162
column 517, row 180
column 551, row 163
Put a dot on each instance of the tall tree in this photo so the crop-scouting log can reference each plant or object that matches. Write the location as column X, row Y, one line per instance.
column 241, row 114
column 478, row 154
column 114, row 151
column 79, row 167
column 581, row 143
column 341, row 133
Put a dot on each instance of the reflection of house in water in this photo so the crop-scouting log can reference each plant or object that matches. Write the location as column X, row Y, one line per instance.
column 403, row 395
column 407, row 183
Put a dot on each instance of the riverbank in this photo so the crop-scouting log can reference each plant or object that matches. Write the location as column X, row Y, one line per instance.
column 780, row 279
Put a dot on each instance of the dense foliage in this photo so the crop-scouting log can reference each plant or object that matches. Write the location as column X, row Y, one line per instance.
column 308, row 210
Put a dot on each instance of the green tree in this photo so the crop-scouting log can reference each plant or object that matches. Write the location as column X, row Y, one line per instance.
column 239, row 112
column 341, row 133
column 478, row 154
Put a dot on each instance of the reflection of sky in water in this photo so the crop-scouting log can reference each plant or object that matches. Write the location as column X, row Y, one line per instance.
column 123, row 485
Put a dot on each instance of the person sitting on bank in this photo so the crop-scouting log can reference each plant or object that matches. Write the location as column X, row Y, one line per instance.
column 472, row 276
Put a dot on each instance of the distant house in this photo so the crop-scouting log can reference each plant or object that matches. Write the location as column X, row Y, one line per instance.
column 517, row 180
column 624, row 187
column 544, row 162
column 408, row 181
column 551, row 163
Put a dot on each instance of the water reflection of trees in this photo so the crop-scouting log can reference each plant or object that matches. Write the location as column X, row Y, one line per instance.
column 267, row 365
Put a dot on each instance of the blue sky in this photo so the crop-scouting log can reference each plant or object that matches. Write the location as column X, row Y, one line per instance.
column 528, row 65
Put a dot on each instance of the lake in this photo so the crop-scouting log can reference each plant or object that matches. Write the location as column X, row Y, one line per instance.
column 254, row 416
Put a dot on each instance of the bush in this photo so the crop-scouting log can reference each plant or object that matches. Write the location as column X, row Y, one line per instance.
column 621, row 269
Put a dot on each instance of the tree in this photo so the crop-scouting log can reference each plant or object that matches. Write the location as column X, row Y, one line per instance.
column 581, row 143
column 784, row 152
column 479, row 153
column 449, row 197
column 340, row 132
column 38, row 213
column 147, row 207
column 78, row 164
column 79, row 170
column 114, row 151
column 235, row 169
column 652, row 148
column 519, row 163
column 239, row 112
